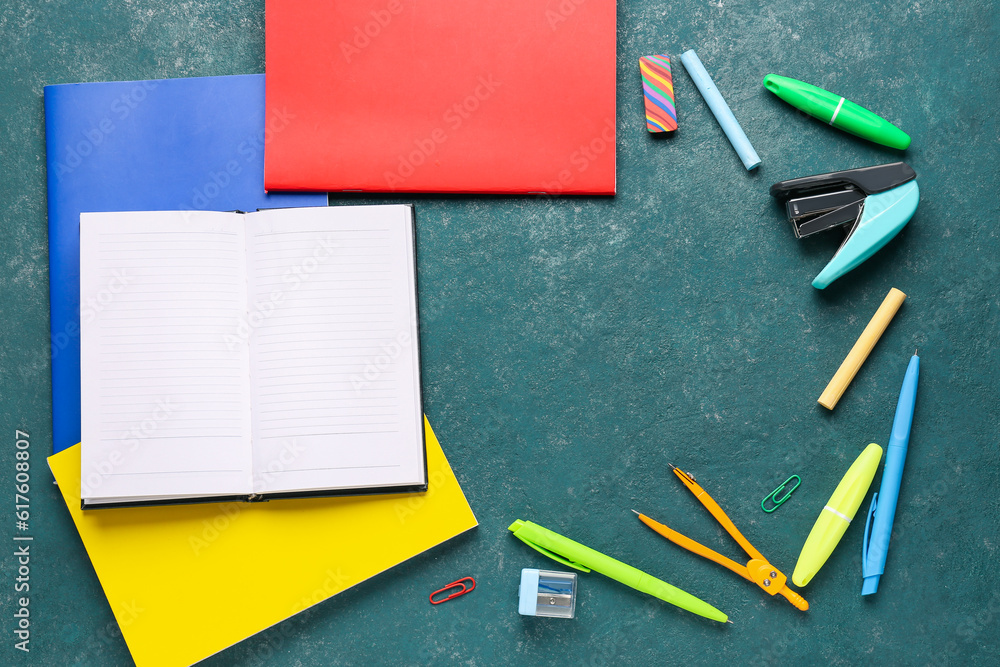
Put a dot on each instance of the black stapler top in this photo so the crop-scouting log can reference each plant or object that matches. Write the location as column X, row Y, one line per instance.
column 817, row 203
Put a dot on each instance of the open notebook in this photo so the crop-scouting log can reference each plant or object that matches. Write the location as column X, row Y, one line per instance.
column 247, row 356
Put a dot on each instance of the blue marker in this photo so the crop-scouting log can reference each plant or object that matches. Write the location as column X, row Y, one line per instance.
column 883, row 507
column 722, row 112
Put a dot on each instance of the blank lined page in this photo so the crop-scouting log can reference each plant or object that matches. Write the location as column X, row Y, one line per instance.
column 334, row 352
column 164, row 355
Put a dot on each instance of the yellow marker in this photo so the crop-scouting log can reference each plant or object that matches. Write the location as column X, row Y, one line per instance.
column 836, row 515
column 861, row 349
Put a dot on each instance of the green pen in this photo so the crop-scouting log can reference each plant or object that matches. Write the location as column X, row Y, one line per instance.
column 585, row 559
column 837, row 111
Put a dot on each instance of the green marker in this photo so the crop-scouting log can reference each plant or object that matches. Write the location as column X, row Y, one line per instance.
column 585, row 559
column 837, row 111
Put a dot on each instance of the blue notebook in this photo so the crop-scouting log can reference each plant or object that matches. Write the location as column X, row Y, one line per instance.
column 172, row 144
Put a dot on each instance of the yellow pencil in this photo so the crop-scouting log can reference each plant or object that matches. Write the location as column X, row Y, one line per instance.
column 861, row 349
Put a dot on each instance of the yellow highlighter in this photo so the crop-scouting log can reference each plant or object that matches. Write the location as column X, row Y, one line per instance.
column 836, row 515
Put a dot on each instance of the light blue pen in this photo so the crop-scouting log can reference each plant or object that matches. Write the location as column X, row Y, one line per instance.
column 883, row 507
column 722, row 112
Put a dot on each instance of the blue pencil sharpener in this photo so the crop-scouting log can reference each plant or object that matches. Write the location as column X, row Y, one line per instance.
column 547, row 593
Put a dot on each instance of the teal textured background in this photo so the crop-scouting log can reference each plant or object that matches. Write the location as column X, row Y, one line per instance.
column 574, row 346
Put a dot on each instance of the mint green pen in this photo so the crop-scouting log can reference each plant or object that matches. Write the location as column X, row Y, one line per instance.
column 585, row 559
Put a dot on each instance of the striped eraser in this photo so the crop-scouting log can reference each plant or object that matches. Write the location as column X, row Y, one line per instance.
column 658, row 92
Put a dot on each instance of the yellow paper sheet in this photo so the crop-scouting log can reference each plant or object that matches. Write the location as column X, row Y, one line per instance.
column 187, row 581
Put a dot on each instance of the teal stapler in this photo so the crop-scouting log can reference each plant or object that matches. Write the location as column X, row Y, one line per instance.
column 873, row 203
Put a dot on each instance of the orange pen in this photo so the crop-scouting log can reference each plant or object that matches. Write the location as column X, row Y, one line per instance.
column 757, row 569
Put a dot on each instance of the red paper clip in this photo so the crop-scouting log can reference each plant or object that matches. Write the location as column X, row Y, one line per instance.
column 460, row 585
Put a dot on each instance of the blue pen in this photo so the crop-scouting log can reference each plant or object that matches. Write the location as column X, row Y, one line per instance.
column 883, row 507
column 723, row 114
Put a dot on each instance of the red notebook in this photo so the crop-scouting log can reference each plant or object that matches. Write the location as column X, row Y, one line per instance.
column 483, row 96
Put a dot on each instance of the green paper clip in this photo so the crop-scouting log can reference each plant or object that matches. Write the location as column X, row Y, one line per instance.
column 771, row 496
